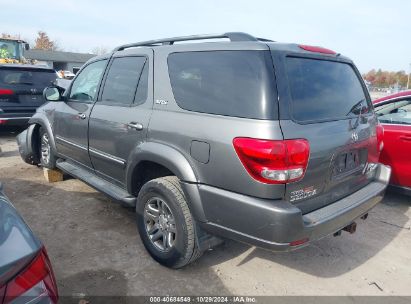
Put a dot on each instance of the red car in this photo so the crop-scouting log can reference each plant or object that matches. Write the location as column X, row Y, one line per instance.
column 394, row 114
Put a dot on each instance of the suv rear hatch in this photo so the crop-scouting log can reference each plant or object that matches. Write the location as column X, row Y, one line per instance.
column 323, row 100
column 21, row 88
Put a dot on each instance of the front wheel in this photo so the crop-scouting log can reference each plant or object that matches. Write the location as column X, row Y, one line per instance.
column 165, row 224
column 47, row 157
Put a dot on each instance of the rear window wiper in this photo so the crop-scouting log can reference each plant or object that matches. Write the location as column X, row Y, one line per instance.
column 355, row 106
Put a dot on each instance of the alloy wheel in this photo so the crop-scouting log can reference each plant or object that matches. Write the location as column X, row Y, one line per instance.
column 160, row 224
column 45, row 149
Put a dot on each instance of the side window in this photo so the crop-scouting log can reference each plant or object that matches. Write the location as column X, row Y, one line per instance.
column 122, row 79
column 398, row 112
column 233, row 83
column 84, row 87
column 142, row 89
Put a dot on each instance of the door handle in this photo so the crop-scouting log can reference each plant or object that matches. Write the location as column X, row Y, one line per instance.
column 81, row 116
column 135, row 125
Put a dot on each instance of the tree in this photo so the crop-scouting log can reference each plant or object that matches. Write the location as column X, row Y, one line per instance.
column 385, row 79
column 43, row 42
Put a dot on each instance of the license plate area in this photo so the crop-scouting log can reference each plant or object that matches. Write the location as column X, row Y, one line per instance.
column 346, row 162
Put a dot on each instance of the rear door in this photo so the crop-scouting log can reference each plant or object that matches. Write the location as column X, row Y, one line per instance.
column 395, row 117
column 21, row 89
column 119, row 119
column 325, row 102
column 71, row 117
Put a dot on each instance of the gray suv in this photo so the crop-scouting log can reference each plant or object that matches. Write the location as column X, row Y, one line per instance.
column 271, row 144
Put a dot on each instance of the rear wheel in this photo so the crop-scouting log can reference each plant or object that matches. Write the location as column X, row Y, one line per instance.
column 47, row 157
column 165, row 223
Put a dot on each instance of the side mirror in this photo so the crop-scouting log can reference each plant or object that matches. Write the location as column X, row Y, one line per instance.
column 52, row 94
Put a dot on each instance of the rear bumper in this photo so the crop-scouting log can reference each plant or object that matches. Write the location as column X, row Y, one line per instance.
column 276, row 224
column 15, row 119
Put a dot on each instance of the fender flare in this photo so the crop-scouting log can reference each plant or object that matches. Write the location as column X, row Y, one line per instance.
column 42, row 120
column 174, row 161
column 163, row 155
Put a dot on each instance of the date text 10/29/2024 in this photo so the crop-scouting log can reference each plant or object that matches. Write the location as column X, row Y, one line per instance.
column 203, row 299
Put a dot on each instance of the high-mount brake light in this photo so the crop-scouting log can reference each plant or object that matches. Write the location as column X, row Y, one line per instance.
column 273, row 161
column 317, row 49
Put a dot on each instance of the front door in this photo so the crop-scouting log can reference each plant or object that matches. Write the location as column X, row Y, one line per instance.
column 395, row 117
column 119, row 119
column 71, row 117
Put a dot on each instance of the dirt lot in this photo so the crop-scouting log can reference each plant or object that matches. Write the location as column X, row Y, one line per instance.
column 95, row 249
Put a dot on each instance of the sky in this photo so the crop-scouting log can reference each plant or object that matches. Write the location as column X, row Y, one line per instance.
column 375, row 34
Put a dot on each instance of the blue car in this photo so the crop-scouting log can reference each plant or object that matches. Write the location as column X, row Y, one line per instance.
column 26, row 275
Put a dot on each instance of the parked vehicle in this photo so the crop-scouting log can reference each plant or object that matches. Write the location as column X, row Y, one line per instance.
column 267, row 143
column 394, row 114
column 21, row 91
column 66, row 74
column 26, row 275
column 11, row 50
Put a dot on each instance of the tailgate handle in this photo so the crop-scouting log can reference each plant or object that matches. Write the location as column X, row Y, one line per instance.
column 405, row 138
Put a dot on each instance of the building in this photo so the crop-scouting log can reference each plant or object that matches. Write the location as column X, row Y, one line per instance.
column 66, row 61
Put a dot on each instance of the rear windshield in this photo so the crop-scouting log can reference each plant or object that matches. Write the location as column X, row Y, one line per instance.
column 10, row 77
column 232, row 83
column 324, row 90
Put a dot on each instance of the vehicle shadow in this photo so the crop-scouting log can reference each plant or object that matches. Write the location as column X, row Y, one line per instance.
column 334, row 256
column 94, row 246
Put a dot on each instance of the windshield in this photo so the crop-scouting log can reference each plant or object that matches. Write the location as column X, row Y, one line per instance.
column 9, row 49
column 324, row 90
column 12, row 77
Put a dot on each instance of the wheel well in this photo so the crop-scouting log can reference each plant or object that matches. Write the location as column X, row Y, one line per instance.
column 36, row 141
column 146, row 171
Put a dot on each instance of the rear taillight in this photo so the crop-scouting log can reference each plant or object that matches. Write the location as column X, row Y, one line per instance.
column 6, row 92
column 3, row 121
column 317, row 49
column 380, row 137
column 273, row 161
column 37, row 272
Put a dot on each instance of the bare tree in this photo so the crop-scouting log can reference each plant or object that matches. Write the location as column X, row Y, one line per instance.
column 99, row 50
column 43, row 42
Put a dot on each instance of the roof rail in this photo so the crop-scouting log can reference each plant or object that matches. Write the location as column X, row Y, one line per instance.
column 233, row 36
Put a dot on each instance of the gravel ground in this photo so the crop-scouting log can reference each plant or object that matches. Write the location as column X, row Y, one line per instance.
column 95, row 249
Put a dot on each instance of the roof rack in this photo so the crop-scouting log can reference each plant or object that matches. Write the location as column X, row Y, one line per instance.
column 233, row 36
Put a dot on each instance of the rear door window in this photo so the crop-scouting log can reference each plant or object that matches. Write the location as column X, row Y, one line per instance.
column 324, row 90
column 142, row 89
column 121, row 83
column 14, row 77
column 232, row 83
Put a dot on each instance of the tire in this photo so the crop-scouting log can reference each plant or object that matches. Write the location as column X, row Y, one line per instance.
column 170, row 238
column 46, row 153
